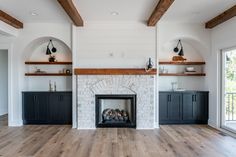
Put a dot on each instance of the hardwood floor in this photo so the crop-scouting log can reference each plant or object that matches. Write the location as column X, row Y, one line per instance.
column 4, row 120
column 168, row 141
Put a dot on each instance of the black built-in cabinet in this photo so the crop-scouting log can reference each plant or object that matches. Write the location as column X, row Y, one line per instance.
column 187, row 107
column 47, row 107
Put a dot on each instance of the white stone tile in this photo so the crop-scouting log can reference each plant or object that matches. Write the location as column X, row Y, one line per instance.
column 89, row 86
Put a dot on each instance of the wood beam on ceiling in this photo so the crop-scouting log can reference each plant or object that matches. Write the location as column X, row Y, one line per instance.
column 225, row 16
column 10, row 20
column 159, row 11
column 71, row 11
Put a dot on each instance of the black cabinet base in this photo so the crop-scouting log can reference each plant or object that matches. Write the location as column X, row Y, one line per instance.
column 188, row 107
column 182, row 122
column 47, row 108
column 33, row 122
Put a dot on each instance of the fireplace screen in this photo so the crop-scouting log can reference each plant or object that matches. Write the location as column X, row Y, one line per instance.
column 116, row 111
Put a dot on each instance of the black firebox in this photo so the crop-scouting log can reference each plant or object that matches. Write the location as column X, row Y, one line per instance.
column 115, row 111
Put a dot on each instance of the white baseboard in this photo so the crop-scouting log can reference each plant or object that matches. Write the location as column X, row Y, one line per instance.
column 212, row 124
column 157, row 126
column 15, row 123
column 86, row 128
column 145, row 128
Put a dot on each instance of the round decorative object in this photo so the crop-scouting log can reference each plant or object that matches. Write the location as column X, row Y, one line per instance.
column 54, row 50
column 67, row 71
column 176, row 49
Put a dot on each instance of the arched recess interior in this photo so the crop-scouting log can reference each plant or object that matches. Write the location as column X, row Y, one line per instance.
column 190, row 43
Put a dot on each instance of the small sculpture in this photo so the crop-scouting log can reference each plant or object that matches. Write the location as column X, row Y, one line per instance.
column 52, row 58
column 149, row 65
column 178, row 59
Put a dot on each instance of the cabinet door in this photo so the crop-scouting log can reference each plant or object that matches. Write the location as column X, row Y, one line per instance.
column 60, row 108
column 41, row 107
column 67, row 101
column 35, row 108
column 163, row 106
column 175, row 107
column 202, row 106
column 29, row 101
column 189, row 106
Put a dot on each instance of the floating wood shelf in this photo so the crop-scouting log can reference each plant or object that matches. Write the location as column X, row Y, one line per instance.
column 53, row 63
column 47, row 74
column 182, row 63
column 114, row 72
column 182, row 74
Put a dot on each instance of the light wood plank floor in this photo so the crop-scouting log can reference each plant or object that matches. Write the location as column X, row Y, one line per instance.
column 4, row 120
column 168, row 141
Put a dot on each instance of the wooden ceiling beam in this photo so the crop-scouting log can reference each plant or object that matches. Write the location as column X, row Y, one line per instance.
column 225, row 16
column 159, row 11
column 71, row 11
column 10, row 20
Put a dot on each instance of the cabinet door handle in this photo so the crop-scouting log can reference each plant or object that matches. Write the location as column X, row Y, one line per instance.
column 35, row 98
column 193, row 98
column 61, row 98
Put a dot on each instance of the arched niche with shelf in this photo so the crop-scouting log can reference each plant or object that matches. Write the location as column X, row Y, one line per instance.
column 35, row 58
column 194, row 52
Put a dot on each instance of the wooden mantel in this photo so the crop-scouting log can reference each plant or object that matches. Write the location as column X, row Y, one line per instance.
column 80, row 71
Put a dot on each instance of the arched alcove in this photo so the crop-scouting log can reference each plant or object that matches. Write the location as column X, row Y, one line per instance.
column 36, row 51
column 194, row 50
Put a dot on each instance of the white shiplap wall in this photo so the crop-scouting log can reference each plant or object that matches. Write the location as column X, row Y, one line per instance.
column 115, row 45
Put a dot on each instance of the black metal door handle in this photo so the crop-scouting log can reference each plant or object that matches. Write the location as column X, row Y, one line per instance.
column 35, row 98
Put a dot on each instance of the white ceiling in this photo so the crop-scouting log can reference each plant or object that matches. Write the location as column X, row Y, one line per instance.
column 199, row 11
column 47, row 10
column 129, row 10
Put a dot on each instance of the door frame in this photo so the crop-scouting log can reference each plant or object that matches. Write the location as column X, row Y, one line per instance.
column 9, row 49
column 222, row 88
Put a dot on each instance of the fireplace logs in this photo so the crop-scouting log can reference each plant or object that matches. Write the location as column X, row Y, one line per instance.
column 115, row 115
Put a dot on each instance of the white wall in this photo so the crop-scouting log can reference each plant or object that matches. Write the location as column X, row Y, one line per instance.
column 223, row 36
column 37, row 53
column 115, row 45
column 197, row 47
column 3, row 82
column 20, row 54
column 8, row 30
column 196, row 42
column 123, row 45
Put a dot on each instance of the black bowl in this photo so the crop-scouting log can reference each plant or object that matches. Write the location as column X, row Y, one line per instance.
column 176, row 49
column 54, row 50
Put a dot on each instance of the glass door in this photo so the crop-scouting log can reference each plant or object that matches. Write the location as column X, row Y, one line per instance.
column 228, row 120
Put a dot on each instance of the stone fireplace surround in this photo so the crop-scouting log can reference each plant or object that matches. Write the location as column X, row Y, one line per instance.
column 90, row 85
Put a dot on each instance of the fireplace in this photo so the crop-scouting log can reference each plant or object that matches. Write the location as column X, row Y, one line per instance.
column 139, row 89
column 115, row 111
